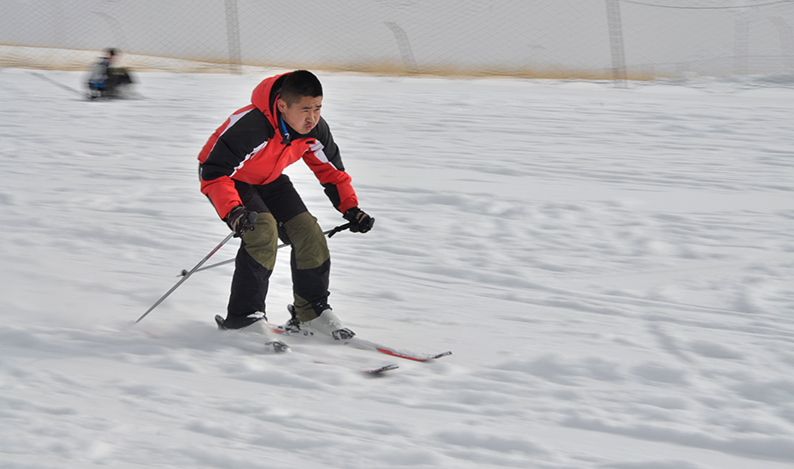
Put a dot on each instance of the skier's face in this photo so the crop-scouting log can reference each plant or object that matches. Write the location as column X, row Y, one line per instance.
column 303, row 115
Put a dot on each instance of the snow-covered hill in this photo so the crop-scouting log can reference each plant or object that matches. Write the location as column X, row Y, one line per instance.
column 612, row 270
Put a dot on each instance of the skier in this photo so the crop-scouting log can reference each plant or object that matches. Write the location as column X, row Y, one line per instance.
column 241, row 172
column 105, row 80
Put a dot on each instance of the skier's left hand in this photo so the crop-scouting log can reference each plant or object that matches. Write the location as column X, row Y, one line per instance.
column 360, row 222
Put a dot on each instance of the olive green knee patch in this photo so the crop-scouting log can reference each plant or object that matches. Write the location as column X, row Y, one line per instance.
column 262, row 242
column 308, row 241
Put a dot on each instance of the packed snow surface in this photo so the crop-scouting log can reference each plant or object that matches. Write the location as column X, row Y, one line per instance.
column 611, row 268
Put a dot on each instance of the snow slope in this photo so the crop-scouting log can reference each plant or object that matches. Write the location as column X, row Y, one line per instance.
column 612, row 270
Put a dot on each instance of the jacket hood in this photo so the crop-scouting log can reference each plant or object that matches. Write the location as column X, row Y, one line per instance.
column 264, row 97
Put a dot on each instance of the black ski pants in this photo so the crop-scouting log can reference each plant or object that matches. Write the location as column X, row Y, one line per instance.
column 281, row 215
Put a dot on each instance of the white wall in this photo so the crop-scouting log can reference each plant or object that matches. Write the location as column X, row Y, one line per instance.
column 534, row 37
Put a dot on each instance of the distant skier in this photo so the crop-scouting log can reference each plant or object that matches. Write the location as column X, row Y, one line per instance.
column 105, row 80
column 241, row 169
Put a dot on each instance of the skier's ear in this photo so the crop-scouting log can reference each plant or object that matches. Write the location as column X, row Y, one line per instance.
column 282, row 105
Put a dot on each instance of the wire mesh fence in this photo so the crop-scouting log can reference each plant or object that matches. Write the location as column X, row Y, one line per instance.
column 596, row 39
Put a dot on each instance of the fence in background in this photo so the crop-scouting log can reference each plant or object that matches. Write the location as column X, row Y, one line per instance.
column 594, row 39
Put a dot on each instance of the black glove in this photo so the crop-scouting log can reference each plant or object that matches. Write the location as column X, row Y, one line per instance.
column 360, row 222
column 240, row 220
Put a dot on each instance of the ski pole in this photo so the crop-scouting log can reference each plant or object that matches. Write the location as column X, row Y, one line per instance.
column 329, row 233
column 61, row 85
column 251, row 218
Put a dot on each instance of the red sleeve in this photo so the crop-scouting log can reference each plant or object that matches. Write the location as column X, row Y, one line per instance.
column 336, row 181
column 222, row 194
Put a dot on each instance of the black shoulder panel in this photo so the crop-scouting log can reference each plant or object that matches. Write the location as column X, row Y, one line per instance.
column 323, row 133
column 236, row 143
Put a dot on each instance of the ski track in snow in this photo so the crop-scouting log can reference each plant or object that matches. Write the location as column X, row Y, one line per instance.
column 612, row 270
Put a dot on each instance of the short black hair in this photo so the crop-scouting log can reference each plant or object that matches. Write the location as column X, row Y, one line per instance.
column 111, row 52
column 298, row 84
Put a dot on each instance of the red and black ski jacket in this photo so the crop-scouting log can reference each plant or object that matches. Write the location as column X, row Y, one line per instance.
column 255, row 145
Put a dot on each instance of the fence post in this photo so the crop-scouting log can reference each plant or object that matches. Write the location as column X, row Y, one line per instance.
column 616, row 43
column 786, row 35
column 405, row 46
column 233, row 36
column 741, row 47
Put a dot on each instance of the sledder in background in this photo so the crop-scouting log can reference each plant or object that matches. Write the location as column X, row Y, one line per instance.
column 107, row 81
column 241, row 168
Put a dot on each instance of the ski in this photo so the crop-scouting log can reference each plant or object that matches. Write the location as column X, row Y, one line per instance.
column 369, row 345
column 408, row 355
column 379, row 370
column 369, row 371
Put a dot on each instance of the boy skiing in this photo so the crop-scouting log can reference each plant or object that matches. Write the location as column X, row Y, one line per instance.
column 241, row 169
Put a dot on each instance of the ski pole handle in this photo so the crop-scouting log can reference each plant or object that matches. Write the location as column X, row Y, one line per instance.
column 338, row 229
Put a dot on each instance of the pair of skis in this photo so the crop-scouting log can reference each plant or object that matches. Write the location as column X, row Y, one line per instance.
column 279, row 346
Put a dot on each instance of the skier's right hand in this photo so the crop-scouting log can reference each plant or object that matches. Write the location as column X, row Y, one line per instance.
column 240, row 220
